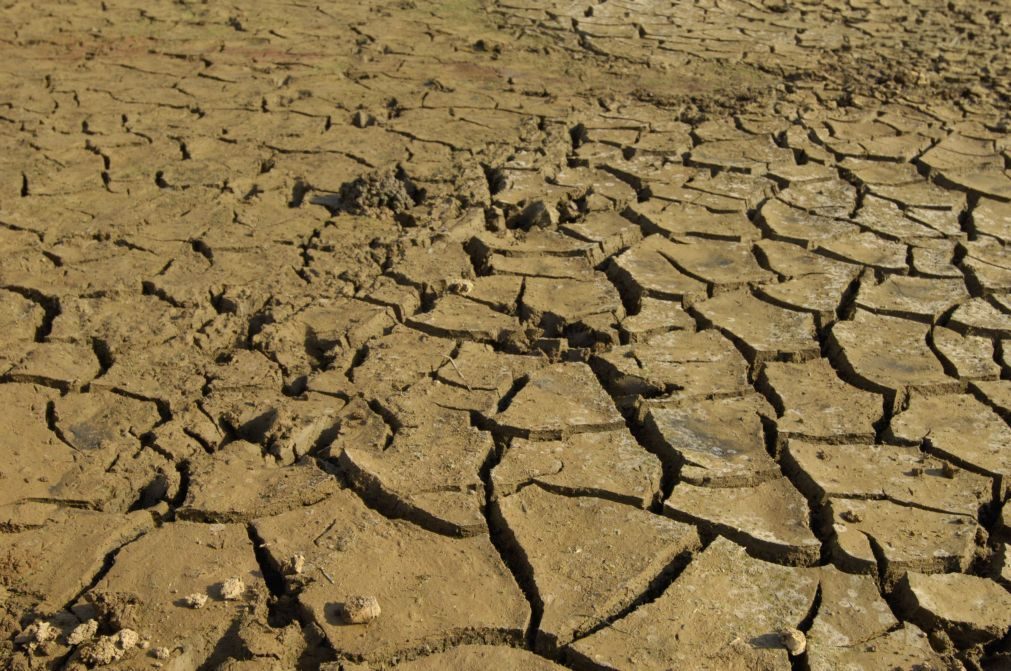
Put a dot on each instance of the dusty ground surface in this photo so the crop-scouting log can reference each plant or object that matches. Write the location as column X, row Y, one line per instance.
column 505, row 334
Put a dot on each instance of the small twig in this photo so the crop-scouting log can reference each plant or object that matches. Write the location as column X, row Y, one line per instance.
column 450, row 359
column 326, row 575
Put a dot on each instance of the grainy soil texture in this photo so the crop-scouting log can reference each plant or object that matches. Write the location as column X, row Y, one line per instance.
column 505, row 334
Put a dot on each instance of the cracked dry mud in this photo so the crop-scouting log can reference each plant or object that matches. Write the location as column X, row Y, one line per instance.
column 502, row 334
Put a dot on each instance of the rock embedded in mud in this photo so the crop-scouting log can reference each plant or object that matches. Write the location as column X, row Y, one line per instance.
column 360, row 609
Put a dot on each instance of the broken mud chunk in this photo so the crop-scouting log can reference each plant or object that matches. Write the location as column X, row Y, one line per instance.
column 360, row 609
column 232, row 589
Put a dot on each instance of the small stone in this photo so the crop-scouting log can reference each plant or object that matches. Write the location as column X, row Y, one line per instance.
column 232, row 589
column 198, row 600
column 851, row 516
column 108, row 649
column 37, row 634
column 461, row 286
column 361, row 609
column 161, row 653
column 794, row 641
column 83, row 632
column 296, row 565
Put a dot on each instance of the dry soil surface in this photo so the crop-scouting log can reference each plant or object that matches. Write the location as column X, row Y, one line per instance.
column 505, row 334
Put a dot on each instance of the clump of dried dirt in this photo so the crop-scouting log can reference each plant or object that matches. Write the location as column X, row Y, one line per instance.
column 377, row 191
column 114, row 611
column 108, row 649
column 360, row 609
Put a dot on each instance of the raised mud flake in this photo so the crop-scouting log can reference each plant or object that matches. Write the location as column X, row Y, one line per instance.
column 643, row 271
column 20, row 319
column 429, row 471
column 714, row 442
column 902, row 475
column 996, row 394
column 478, row 657
column 908, row 538
column 153, row 575
column 887, row 355
column 934, row 258
column 959, row 428
column 763, row 331
column 745, row 155
column 724, row 266
column 681, row 363
column 884, row 218
column 608, row 464
column 655, row 317
column 813, row 402
column 53, row 552
column 971, row 610
column 589, row 558
column 770, row 519
column 746, row 603
column 922, row 194
column 918, row 298
column 237, row 484
column 558, row 401
column 425, row 582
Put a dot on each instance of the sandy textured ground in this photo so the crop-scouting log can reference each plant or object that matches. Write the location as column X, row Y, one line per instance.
column 505, row 334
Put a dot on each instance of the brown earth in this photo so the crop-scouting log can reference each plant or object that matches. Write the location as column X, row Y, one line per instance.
column 590, row 334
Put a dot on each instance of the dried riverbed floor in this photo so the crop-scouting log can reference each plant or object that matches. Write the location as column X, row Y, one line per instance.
column 581, row 334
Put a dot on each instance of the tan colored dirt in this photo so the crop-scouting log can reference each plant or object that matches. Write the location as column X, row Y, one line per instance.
column 512, row 334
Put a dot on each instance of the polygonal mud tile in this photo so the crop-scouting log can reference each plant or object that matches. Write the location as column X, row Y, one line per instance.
column 54, row 552
column 610, row 230
column 740, row 632
column 573, row 548
column 935, row 258
column 921, row 194
column 680, row 363
column 724, row 266
column 969, row 357
column 557, row 401
column 237, row 484
column 456, row 317
column 979, row 317
column 681, row 219
column 813, row 402
column 884, row 218
column 900, row 474
column 996, row 394
column 908, row 538
column 905, row 648
column 851, row 611
column 992, row 217
column 644, row 272
column 829, row 198
column 971, row 610
column 801, row 227
column 887, row 355
column 655, row 317
column 145, row 588
column 397, row 360
column 65, row 366
column 427, row 472
column 716, row 442
column 918, row 298
column 478, row 657
column 770, row 519
column 608, row 464
column 988, row 265
column 554, row 304
column 868, row 249
column 763, row 331
column 553, row 267
column 424, row 582
column 958, row 428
